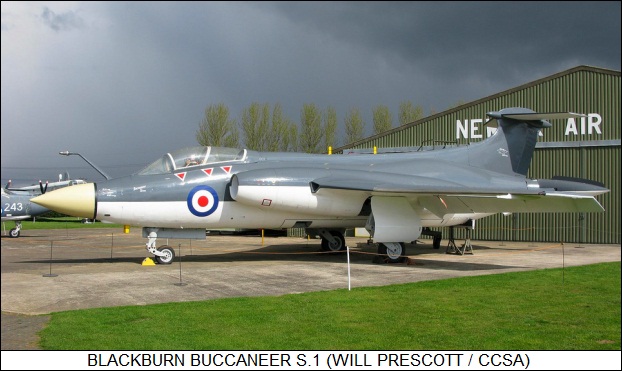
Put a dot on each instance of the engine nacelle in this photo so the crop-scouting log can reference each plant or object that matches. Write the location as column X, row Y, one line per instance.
column 393, row 220
column 289, row 190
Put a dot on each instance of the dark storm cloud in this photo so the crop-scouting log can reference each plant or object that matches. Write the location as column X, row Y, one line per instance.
column 455, row 39
column 128, row 81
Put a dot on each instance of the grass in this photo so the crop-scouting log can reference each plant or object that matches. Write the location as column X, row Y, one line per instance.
column 574, row 309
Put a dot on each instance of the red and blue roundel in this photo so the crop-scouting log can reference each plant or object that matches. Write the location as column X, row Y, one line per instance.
column 202, row 200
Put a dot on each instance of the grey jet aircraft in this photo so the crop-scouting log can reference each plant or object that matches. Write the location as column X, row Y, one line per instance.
column 17, row 205
column 393, row 195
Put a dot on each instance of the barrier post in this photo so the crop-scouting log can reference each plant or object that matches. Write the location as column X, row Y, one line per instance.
column 348, row 253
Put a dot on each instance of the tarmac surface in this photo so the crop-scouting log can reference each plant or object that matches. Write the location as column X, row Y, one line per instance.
column 46, row 271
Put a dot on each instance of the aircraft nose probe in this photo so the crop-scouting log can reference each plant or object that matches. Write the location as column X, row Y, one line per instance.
column 77, row 200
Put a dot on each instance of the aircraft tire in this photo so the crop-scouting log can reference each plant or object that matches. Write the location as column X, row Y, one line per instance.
column 168, row 258
column 340, row 245
column 14, row 233
column 393, row 252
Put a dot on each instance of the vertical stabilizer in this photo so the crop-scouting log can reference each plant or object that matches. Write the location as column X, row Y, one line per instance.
column 511, row 148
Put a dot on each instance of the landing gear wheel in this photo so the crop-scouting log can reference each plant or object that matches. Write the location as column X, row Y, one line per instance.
column 338, row 245
column 169, row 255
column 14, row 233
column 393, row 251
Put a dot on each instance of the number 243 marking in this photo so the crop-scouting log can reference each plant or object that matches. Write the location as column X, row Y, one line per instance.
column 16, row 206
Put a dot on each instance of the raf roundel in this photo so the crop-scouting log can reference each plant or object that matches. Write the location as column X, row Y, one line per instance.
column 202, row 200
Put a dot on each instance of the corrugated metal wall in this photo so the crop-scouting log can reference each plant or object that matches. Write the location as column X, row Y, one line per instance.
column 594, row 155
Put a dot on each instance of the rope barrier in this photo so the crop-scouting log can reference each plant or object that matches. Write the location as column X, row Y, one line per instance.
column 353, row 250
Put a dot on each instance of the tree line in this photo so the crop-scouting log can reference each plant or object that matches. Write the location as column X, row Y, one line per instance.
column 265, row 128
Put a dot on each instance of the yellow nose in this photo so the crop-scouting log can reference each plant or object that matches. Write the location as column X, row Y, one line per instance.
column 76, row 200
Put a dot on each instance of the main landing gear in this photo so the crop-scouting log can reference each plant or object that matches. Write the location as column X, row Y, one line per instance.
column 388, row 252
column 392, row 252
column 436, row 235
column 163, row 254
column 332, row 240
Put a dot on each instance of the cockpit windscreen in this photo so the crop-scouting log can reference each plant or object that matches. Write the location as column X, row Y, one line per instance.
column 193, row 156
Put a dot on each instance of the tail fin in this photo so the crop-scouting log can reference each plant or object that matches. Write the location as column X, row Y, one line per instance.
column 511, row 148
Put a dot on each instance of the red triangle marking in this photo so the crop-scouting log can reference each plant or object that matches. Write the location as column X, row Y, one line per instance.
column 208, row 171
column 227, row 169
column 181, row 176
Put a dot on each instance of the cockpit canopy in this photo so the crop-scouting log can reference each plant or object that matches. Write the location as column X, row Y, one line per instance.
column 193, row 156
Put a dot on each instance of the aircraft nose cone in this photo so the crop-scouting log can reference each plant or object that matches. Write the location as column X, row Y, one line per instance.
column 76, row 200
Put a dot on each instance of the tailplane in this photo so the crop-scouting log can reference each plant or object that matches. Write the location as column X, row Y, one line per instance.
column 511, row 148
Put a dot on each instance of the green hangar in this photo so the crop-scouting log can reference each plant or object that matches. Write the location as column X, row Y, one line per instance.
column 587, row 147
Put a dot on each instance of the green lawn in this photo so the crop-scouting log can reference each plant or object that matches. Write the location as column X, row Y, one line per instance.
column 574, row 309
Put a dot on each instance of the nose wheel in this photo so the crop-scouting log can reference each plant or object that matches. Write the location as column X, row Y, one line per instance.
column 14, row 233
column 163, row 254
column 167, row 255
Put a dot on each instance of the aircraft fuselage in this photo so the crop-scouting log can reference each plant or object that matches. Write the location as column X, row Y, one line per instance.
column 264, row 192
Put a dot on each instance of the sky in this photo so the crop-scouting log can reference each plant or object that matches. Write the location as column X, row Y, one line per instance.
column 122, row 83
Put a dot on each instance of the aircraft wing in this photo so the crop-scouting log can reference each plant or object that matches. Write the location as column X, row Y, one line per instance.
column 380, row 183
column 441, row 205
column 376, row 183
column 442, row 197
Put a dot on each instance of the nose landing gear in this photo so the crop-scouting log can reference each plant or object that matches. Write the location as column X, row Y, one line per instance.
column 164, row 254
